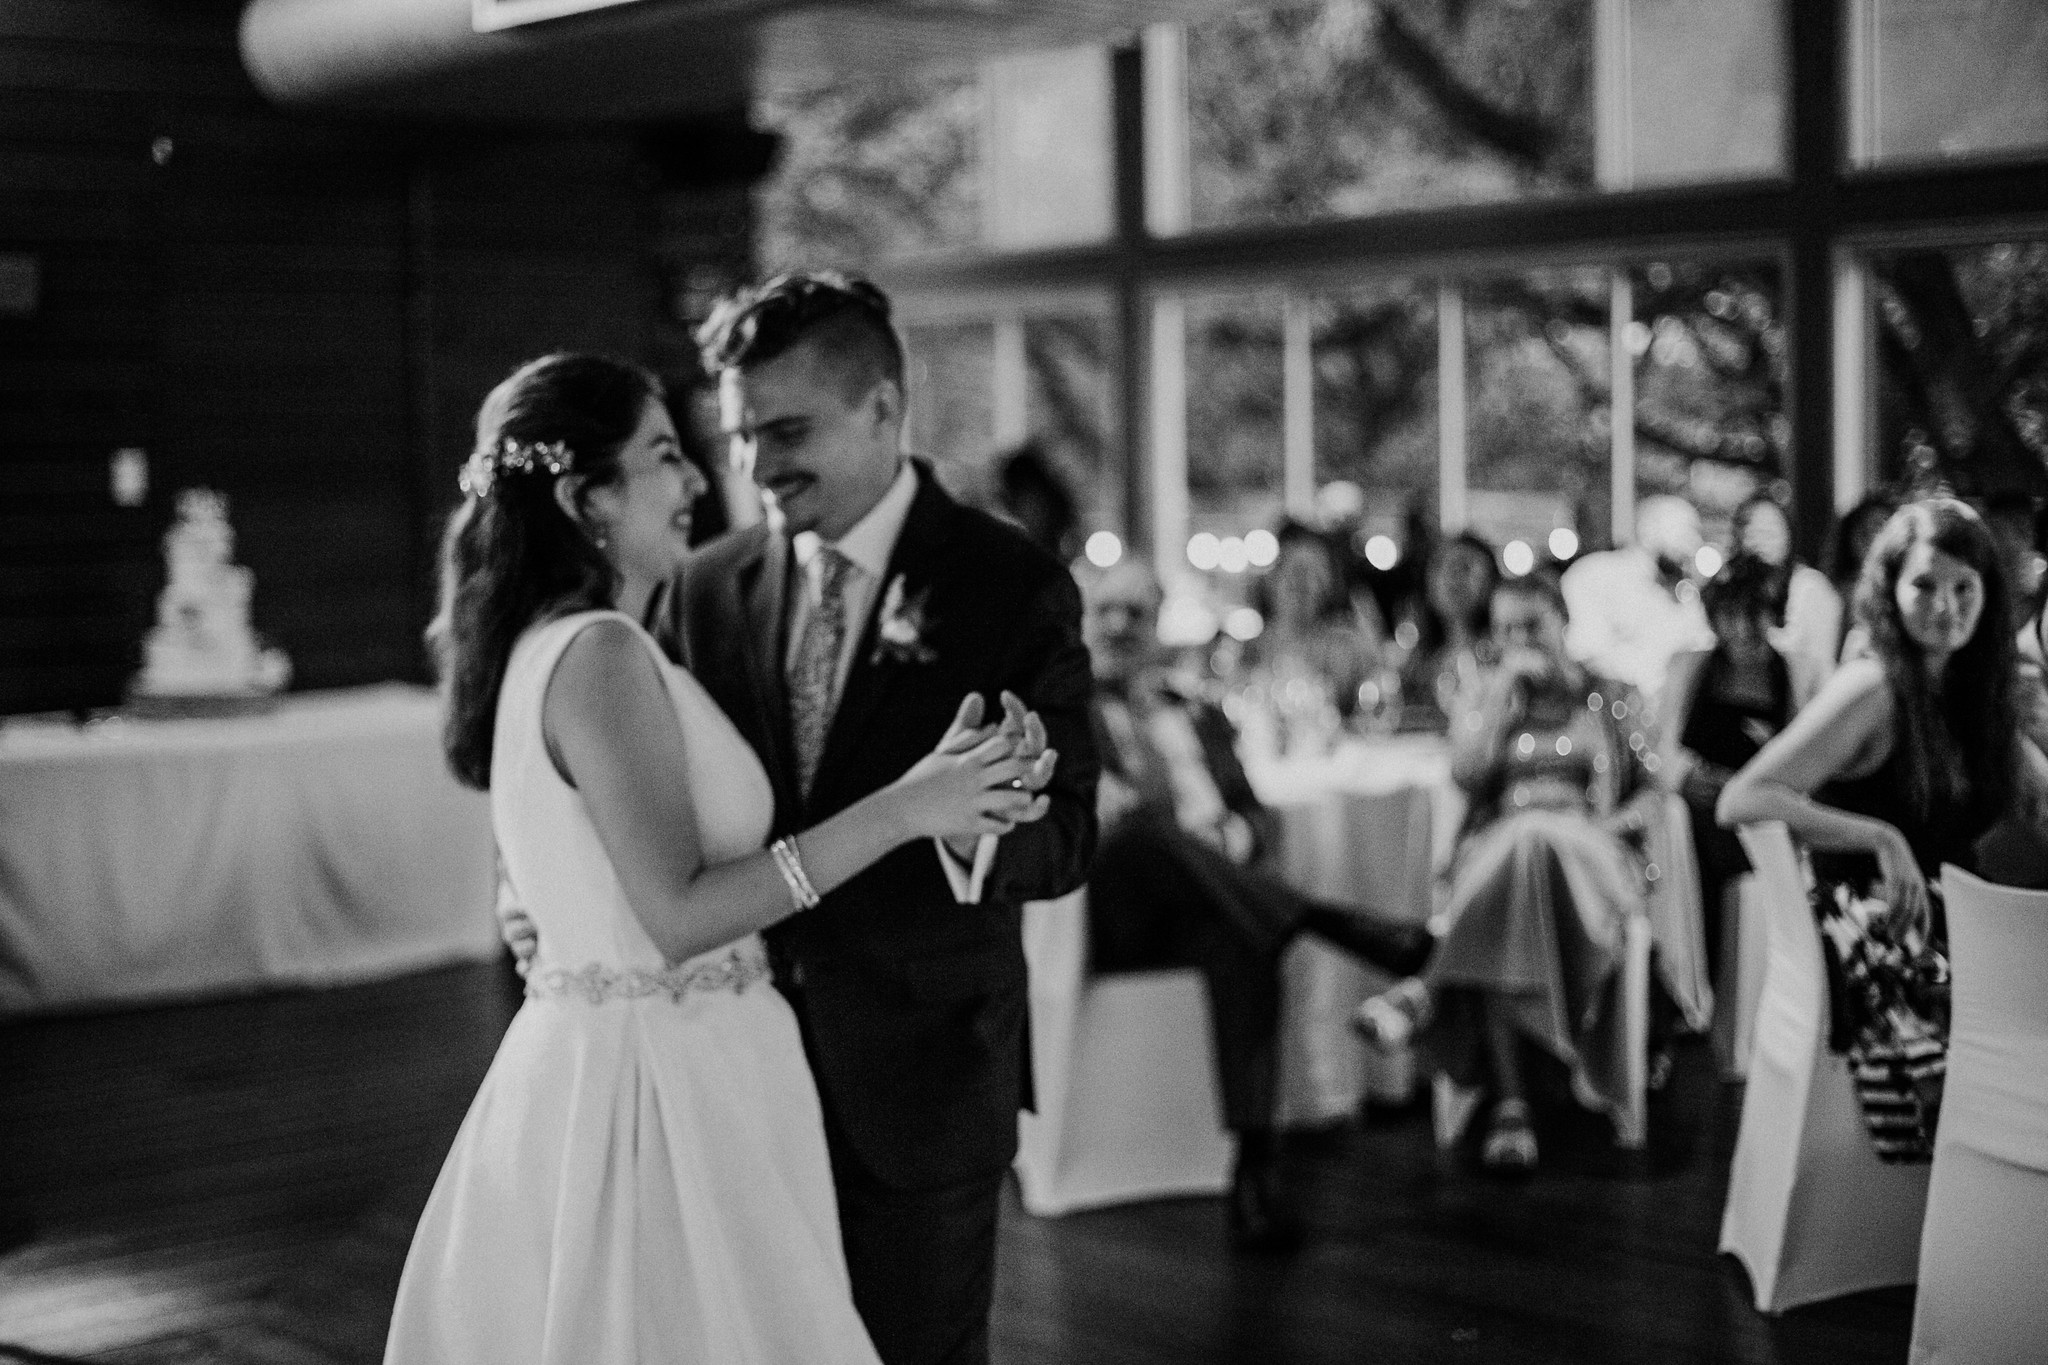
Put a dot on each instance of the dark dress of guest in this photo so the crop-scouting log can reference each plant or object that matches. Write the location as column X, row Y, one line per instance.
column 1721, row 706
column 1558, row 767
column 1907, row 755
column 1446, row 630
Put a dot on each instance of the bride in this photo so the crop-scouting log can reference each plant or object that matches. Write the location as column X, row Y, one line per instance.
column 642, row 1175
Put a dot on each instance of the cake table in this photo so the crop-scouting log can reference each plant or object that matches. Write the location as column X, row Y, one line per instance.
column 323, row 841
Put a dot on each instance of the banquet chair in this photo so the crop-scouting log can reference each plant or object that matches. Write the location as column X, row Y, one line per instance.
column 1745, row 949
column 1127, row 1104
column 1812, row 1213
column 1984, row 1249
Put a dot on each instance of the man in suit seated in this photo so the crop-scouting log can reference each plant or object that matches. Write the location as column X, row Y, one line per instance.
column 1179, row 880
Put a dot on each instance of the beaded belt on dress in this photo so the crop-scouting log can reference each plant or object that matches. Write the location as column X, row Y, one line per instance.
column 734, row 971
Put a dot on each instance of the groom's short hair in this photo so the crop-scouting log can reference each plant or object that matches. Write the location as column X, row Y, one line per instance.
column 847, row 316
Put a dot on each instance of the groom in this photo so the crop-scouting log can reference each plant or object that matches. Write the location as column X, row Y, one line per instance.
column 841, row 644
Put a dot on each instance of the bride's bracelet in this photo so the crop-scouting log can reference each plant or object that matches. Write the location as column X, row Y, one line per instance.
column 791, row 865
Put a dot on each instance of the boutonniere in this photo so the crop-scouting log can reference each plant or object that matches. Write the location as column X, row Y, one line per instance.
column 901, row 627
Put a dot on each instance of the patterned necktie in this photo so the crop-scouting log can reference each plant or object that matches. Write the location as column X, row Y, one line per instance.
column 816, row 666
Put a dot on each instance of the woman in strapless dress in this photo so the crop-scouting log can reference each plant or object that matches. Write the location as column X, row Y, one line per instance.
column 643, row 1174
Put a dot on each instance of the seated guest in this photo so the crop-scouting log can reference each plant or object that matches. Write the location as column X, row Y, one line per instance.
column 1450, row 623
column 1721, row 706
column 2032, row 649
column 1178, row 877
column 1855, row 531
column 1555, row 763
column 1809, row 631
column 1908, row 754
column 1634, row 609
column 1031, row 493
column 2015, row 851
column 1314, row 628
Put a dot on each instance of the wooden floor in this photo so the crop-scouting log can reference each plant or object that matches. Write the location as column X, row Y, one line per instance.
column 236, row 1182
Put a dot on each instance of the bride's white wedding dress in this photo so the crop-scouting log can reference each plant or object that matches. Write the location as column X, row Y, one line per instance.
column 642, row 1176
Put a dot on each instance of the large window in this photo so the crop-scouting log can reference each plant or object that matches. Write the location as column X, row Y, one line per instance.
column 1235, row 413
column 1375, row 395
column 952, row 402
column 1708, row 350
column 1343, row 109
column 871, row 168
column 1939, row 80
column 1536, row 399
column 1506, row 263
column 1963, row 362
column 1069, row 407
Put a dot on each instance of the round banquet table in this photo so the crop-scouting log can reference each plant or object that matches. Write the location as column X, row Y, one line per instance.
column 1366, row 824
column 321, row 841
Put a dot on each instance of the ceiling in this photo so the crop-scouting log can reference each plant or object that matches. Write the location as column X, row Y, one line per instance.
column 639, row 60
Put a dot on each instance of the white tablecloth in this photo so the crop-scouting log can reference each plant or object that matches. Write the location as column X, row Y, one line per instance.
column 321, row 842
column 1367, row 824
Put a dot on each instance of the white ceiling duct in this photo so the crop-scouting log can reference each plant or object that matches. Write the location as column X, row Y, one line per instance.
column 634, row 59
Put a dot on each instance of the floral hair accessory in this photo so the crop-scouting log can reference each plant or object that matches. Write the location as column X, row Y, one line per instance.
column 507, row 456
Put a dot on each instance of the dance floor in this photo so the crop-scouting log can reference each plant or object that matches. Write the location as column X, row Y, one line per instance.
column 236, row 1182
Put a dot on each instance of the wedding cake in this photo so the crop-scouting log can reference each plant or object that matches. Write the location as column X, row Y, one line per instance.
column 202, row 646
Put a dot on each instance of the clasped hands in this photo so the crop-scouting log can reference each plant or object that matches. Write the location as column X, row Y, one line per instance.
column 1022, row 734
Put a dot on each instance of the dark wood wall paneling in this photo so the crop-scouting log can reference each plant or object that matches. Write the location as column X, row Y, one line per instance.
column 301, row 312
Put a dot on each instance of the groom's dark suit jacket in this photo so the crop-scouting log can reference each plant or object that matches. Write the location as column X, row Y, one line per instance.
column 914, row 1003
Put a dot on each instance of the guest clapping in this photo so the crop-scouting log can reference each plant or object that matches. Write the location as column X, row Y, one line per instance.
column 1178, row 877
column 1906, row 757
column 1555, row 761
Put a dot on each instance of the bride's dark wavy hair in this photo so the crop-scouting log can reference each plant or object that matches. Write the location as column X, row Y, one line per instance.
column 1957, row 745
column 511, row 555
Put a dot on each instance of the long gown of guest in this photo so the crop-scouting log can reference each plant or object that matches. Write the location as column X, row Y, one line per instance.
column 1538, row 901
column 1888, row 1005
column 643, row 1175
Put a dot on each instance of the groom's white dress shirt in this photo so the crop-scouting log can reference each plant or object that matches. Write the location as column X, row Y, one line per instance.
column 867, row 547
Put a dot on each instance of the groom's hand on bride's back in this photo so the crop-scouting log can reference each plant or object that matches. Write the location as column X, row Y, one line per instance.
column 516, row 927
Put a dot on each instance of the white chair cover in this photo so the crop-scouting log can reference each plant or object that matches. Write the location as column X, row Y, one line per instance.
column 1811, row 1213
column 1984, row 1252
column 1676, row 920
column 1375, row 848
column 1745, row 951
column 1127, row 1104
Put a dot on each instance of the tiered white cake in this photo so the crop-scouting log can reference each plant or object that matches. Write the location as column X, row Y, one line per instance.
column 202, row 645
